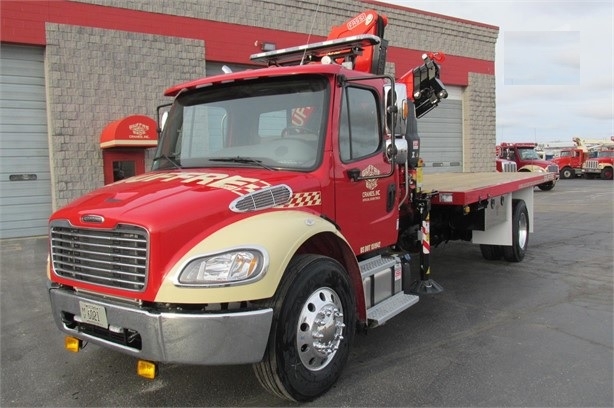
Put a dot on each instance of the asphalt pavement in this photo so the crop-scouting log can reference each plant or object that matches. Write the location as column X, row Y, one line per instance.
column 534, row 334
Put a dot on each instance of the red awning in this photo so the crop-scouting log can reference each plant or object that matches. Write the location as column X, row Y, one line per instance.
column 131, row 131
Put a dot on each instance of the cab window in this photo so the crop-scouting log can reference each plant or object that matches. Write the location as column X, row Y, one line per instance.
column 359, row 125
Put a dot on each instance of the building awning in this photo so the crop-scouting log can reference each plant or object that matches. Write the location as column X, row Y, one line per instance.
column 131, row 131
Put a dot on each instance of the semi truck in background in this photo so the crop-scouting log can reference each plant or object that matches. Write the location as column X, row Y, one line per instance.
column 527, row 160
column 281, row 215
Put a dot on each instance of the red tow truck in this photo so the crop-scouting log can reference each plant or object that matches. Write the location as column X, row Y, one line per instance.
column 280, row 216
column 527, row 160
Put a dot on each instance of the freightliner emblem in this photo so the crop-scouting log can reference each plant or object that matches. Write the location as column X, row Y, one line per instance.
column 93, row 219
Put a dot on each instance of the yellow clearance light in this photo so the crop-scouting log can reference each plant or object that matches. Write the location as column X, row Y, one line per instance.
column 147, row 369
column 73, row 344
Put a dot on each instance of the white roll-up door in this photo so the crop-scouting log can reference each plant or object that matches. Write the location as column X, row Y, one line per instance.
column 441, row 135
column 25, row 182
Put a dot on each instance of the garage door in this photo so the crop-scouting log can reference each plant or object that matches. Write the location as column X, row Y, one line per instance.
column 441, row 135
column 25, row 183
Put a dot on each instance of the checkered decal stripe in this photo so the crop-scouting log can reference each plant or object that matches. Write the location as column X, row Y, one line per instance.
column 303, row 200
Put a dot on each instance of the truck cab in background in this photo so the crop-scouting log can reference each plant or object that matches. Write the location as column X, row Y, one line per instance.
column 527, row 160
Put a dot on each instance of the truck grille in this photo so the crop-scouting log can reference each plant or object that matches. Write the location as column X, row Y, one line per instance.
column 509, row 166
column 116, row 258
column 591, row 164
column 552, row 168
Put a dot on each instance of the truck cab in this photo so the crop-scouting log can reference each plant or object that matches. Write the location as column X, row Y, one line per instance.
column 570, row 162
column 527, row 160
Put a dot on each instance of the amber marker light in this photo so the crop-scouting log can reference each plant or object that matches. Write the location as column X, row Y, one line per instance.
column 73, row 344
column 147, row 369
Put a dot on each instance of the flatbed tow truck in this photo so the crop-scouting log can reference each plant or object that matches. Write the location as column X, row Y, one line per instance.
column 279, row 219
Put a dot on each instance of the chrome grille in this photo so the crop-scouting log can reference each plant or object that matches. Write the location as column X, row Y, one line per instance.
column 552, row 168
column 509, row 166
column 592, row 164
column 116, row 258
column 261, row 199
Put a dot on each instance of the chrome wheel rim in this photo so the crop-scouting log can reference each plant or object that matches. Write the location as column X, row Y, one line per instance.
column 523, row 230
column 320, row 329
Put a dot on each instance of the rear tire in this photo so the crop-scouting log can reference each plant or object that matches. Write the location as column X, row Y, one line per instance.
column 491, row 252
column 312, row 330
column 520, row 233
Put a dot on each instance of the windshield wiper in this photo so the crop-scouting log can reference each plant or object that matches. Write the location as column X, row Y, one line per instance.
column 171, row 159
column 239, row 159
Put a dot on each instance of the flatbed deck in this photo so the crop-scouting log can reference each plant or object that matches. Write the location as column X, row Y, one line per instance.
column 469, row 188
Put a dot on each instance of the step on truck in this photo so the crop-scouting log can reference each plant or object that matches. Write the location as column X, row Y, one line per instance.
column 279, row 218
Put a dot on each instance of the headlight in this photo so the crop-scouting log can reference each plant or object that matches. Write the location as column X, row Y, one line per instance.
column 237, row 266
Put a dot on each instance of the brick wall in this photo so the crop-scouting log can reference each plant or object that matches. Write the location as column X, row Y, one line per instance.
column 406, row 28
column 97, row 76
column 479, row 124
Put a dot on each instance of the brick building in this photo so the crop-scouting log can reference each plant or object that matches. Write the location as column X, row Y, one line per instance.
column 68, row 68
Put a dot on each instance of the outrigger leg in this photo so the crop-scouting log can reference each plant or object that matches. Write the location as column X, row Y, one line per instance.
column 425, row 286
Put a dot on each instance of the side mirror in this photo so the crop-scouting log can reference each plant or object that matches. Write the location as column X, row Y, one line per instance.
column 401, row 150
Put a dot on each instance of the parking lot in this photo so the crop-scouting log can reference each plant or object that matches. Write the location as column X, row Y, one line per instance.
column 535, row 333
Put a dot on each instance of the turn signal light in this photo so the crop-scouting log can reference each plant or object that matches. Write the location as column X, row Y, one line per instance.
column 147, row 369
column 73, row 344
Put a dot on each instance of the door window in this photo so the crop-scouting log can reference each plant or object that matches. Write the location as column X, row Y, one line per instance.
column 359, row 128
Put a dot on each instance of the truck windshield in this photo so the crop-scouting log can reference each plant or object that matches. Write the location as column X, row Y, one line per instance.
column 606, row 153
column 528, row 154
column 276, row 123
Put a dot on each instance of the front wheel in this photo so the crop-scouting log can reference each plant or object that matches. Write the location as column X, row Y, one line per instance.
column 606, row 173
column 313, row 326
column 520, row 233
column 546, row 186
column 567, row 173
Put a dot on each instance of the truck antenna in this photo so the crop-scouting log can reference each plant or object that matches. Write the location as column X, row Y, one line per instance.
column 311, row 30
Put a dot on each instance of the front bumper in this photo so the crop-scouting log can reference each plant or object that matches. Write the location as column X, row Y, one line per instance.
column 591, row 170
column 192, row 338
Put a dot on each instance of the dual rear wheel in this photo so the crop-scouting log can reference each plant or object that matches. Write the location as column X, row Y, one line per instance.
column 520, row 237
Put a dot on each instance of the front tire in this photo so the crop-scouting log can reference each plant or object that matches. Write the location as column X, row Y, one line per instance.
column 546, row 186
column 312, row 330
column 520, row 233
column 567, row 173
column 606, row 173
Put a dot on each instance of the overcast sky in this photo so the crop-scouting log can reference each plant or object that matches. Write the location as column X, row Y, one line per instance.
column 554, row 64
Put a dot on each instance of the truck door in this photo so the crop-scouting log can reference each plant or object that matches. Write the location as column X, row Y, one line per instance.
column 365, row 208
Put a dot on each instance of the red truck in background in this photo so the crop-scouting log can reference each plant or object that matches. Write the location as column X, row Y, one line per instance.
column 280, row 215
column 527, row 160
column 600, row 166
column 571, row 161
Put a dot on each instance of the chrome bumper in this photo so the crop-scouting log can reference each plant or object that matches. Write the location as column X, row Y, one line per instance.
column 207, row 339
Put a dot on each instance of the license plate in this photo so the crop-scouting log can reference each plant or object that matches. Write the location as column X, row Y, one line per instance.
column 93, row 314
